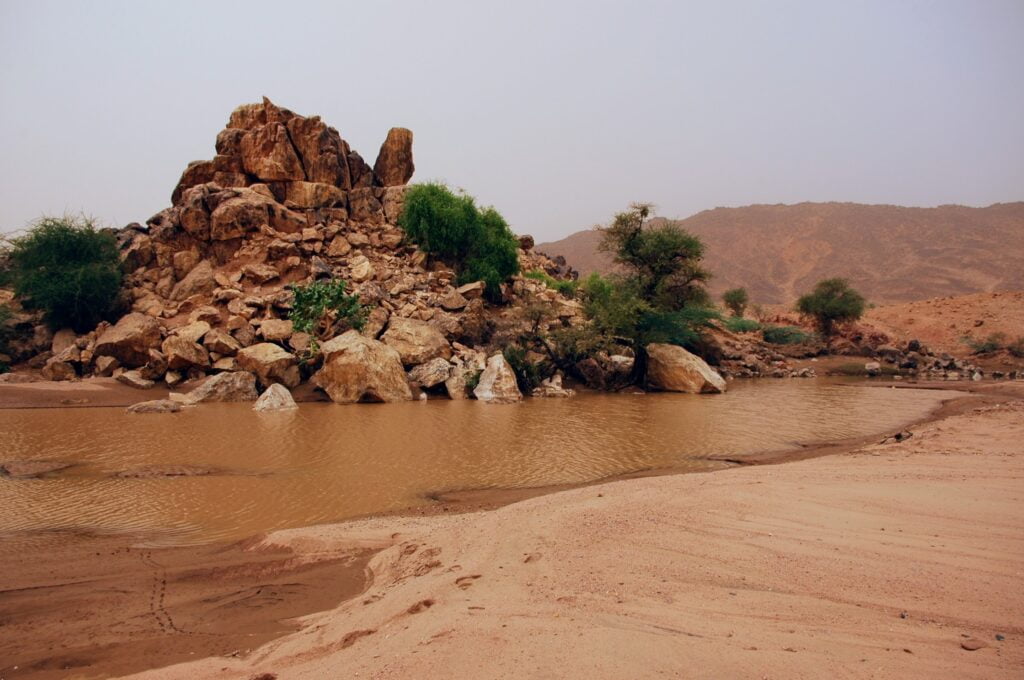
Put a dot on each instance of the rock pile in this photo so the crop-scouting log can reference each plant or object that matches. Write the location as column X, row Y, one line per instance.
column 286, row 200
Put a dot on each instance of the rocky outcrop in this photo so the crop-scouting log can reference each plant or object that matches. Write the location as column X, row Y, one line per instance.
column 130, row 339
column 270, row 363
column 276, row 398
column 498, row 383
column 358, row 369
column 672, row 369
column 154, row 406
column 394, row 164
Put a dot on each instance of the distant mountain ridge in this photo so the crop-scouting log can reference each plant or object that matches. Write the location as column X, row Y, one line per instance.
column 890, row 253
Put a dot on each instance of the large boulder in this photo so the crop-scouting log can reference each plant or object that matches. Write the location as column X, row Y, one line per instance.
column 498, row 383
column 673, row 369
column 416, row 342
column 271, row 364
column 232, row 386
column 267, row 152
column 358, row 369
column 323, row 152
column 130, row 339
column 394, row 164
column 276, row 398
column 154, row 406
column 432, row 373
column 182, row 353
column 236, row 216
column 198, row 281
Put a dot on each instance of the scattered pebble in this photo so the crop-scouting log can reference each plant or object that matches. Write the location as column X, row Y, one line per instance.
column 972, row 644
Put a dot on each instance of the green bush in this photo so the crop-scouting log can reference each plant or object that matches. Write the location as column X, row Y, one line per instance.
column 69, row 270
column 736, row 300
column 565, row 288
column 5, row 334
column 786, row 335
column 832, row 301
column 738, row 324
column 992, row 343
column 476, row 242
column 323, row 309
column 528, row 375
column 1016, row 348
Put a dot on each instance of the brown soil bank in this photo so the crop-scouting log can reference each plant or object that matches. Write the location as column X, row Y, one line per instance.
column 895, row 560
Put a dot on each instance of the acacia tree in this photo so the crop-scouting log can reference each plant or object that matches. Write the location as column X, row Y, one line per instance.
column 831, row 302
column 736, row 300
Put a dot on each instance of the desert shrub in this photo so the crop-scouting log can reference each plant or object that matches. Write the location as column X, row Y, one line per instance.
column 738, row 324
column 476, row 242
column 323, row 309
column 786, row 335
column 528, row 374
column 566, row 288
column 1016, row 348
column 832, row 301
column 992, row 343
column 5, row 334
column 69, row 270
column 736, row 300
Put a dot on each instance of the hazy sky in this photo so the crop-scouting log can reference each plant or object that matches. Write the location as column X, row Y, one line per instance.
column 557, row 113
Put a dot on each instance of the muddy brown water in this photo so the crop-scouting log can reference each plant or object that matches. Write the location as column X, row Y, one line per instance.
column 324, row 462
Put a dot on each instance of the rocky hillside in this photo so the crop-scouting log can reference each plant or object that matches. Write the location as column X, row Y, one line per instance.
column 890, row 253
column 285, row 200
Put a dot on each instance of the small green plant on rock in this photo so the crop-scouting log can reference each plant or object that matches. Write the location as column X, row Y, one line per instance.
column 738, row 324
column 786, row 335
column 324, row 309
column 566, row 288
column 69, row 270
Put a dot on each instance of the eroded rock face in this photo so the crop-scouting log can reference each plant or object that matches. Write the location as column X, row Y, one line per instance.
column 498, row 383
column 231, row 386
column 270, row 363
column 394, row 164
column 276, row 398
column 673, row 369
column 358, row 369
column 267, row 152
column 416, row 341
column 130, row 339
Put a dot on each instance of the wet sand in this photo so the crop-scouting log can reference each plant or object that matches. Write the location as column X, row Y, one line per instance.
column 794, row 543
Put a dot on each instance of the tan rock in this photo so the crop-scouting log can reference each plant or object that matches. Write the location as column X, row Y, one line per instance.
column 431, row 373
column 324, row 153
column 364, row 207
column 232, row 386
column 198, row 281
column 276, row 330
column 339, row 247
column 314, row 195
column 130, row 339
column 192, row 332
column 220, row 342
column 394, row 164
column 358, row 369
column 471, row 291
column 184, row 261
column 498, row 383
column 104, row 366
column 260, row 273
column 154, row 406
column 183, row 354
column 245, row 212
column 271, row 364
column 452, row 301
column 416, row 341
column 673, row 369
column 57, row 370
column 193, row 213
column 225, row 364
column 393, row 203
column 361, row 269
column 455, row 385
column 62, row 339
column 267, row 152
column 276, row 398
column 134, row 379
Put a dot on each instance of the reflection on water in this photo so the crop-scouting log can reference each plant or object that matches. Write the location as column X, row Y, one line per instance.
column 324, row 462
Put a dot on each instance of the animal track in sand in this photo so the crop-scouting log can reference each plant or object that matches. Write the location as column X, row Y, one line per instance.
column 466, row 581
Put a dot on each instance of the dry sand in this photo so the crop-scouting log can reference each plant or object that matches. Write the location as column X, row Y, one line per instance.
column 888, row 561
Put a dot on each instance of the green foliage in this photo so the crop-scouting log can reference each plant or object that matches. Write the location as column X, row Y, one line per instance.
column 473, row 379
column 786, row 335
column 476, row 242
column 5, row 334
column 832, row 301
column 69, row 270
column 738, row 324
column 565, row 288
column 528, row 375
column 324, row 309
column 663, row 260
column 1016, row 348
column 994, row 342
column 736, row 300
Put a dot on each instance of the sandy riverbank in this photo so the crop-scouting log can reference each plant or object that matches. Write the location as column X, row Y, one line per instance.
column 883, row 562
